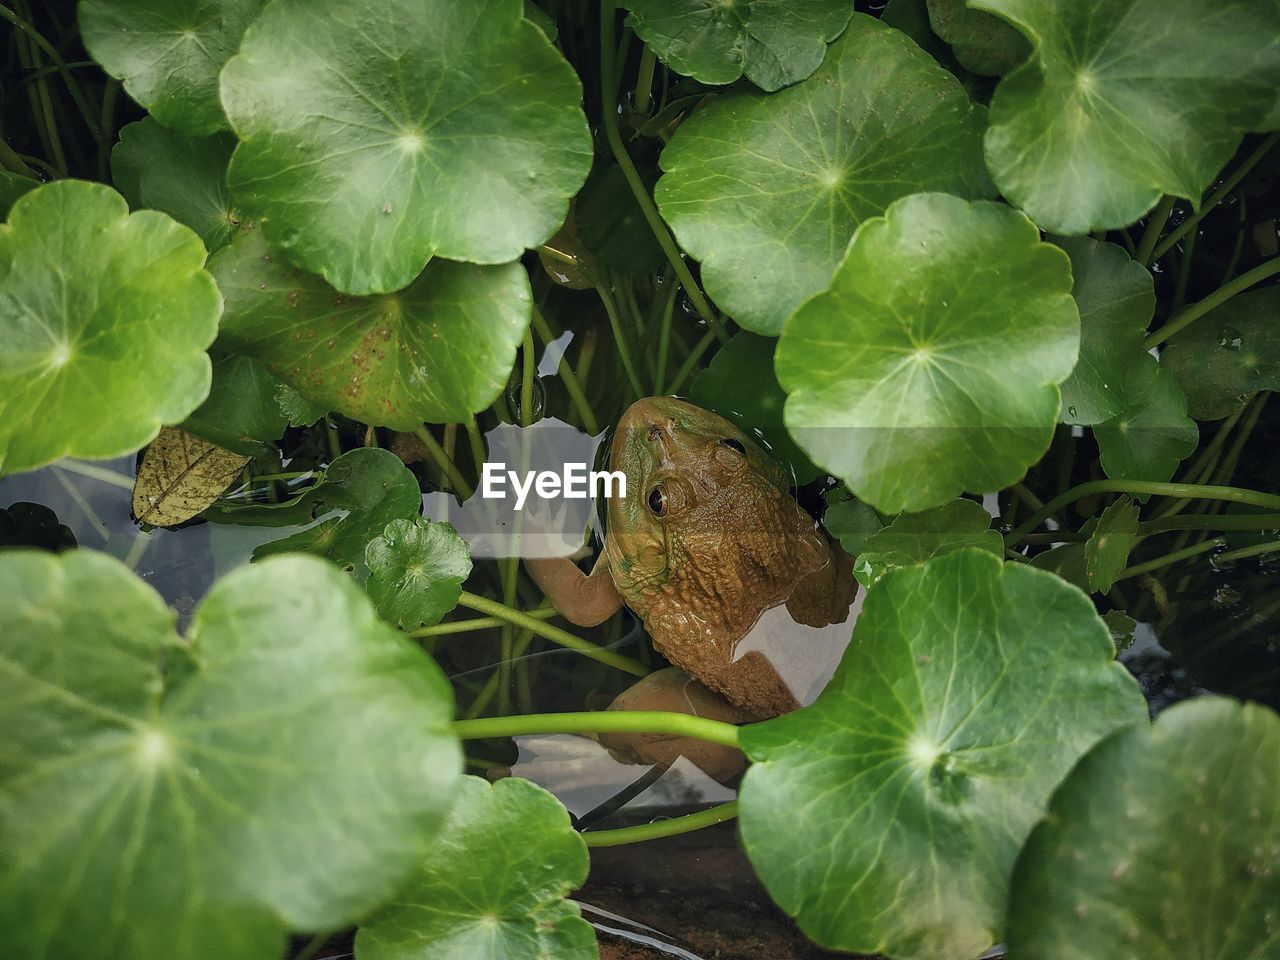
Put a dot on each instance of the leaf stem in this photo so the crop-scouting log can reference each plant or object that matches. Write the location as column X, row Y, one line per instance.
column 644, row 80
column 556, row 635
column 662, row 828
column 572, row 385
column 95, row 473
column 1216, row 197
column 1255, row 550
column 450, row 469
column 609, row 116
column 620, row 338
column 1171, row 558
column 475, row 623
column 1220, row 296
column 691, row 361
column 1159, row 217
column 600, row 721
column 1193, row 490
column 527, row 371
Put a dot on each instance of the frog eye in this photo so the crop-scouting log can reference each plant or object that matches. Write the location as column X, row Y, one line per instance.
column 657, row 502
column 733, row 444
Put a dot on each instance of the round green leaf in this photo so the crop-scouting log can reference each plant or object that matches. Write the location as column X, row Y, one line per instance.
column 168, row 53
column 241, row 412
column 12, row 187
column 280, row 769
column 772, row 42
column 416, row 570
column 362, row 491
column 739, row 384
column 611, row 225
column 439, row 350
column 376, row 140
column 767, row 190
column 1163, row 842
column 850, row 521
column 1107, row 551
column 186, row 177
column 917, row 537
column 982, row 43
column 931, row 365
column 969, row 689
column 1102, row 120
column 1153, row 434
column 494, row 885
column 1228, row 354
column 105, row 317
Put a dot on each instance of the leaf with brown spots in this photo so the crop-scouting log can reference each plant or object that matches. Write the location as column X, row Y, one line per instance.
column 181, row 476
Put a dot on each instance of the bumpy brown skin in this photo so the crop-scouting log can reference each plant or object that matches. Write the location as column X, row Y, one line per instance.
column 727, row 543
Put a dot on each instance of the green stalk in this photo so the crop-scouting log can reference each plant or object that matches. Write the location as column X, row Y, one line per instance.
column 1217, row 196
column 609, row 115
column 1171, row 558
column 600, row 721
column 1200, row 470
column 1220, row 296
column 664, row 338
column 1211, row 521
column 1256, row 550
column 624, row 349
column 545, row 630
column 527, row 371
column 475, row 623
column 691, row 361
column 1159, row 217
column 1191, row 490
column 572, row 385
column 662, row 828
column 73, row 87
column 1184, row 274
column 447, row 466
column 644, row 80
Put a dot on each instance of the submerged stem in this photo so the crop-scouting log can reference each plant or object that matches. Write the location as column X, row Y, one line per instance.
column 662, row 828
column 600, row 721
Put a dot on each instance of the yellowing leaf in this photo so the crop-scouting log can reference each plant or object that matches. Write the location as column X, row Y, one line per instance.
column 181, row 475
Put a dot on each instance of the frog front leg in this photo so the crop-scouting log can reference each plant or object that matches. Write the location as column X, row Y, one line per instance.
column 581, row 599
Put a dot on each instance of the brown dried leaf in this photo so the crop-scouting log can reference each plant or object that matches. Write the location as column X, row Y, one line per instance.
column 180, row 476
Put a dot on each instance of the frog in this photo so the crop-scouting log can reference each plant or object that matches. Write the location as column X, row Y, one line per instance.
column 706, row 537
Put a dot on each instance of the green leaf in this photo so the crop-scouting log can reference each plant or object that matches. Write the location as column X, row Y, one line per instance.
column 168, row 53
column 1125, row 100
column 1138, row 413
column 280, row 769
column 850, row 521
column 909, row 785
column 362, row 491
column 1065, row 561
column 439, row 350
column 373, row 142
column 186, row 177
column 1228, row 354
column 982, row 43
column 1163, row 842
column 12, row 187
column 739, row 384
column 416, row 570
column 300, row 411
column 767, row 190
column 1122, row 627
column 931, row 365
column 1107, row 551
column 773, row 43
column 611, row 225
column 917, row 537
column 241, row 412
column 105, row 317
column 494, row 886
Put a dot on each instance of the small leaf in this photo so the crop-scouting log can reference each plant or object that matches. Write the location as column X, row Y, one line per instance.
column 1133, row 403
column 1122, row 627
column 773, row 43
column 610, row 224
column 181, row 476
column 767, row 190
column 1107, row 551
column 439, row 350
column 241, row 412
column 969, row 689
column 981, row 42
column 105, row 317
column 1101, row 121
column 455, row 908
column 851, row 521
column 168, row 53
column 186, row 177
column 361, row 492
column 1067, row 561
column 739, row 384
column 416, row 570
column 930, row 367
column 372, row 143
column 1227, row 354
column 1163, row 837
column 287, row 762
column 25, row 524
column 299, row 411
column 916, row 537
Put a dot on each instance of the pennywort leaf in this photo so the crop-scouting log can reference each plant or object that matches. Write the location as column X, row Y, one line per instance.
column 767, row 190
column 917, row 537
column 970, row 688
column 1107, row 550
column 196, row 798
column 105, row 317
column 416, row 570
column 374, row 139
column 931, row 366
